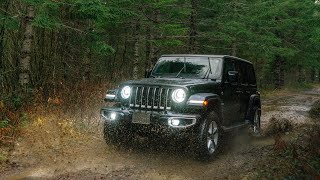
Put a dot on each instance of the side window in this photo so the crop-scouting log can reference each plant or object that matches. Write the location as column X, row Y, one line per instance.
column 216, row 67
column 228, row 66
column 241, row 67
column 251, row 75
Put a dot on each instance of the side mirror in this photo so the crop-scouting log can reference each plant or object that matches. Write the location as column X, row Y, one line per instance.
column 111, row 96
column 147, row 73
column 233, row 76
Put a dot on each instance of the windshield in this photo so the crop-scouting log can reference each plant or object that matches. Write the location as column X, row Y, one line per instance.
column 190, row 67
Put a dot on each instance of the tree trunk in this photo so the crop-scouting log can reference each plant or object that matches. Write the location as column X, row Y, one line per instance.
column 302, row 75
column 313, row 75
column 2, row 33
column 87, row 67
column 150, row 55
column 234, row 49
column 26, row 50
column 148, row 48
column 154, row 51
column 193, row 27
column 282, row 72
column 136, row 52
column 124, row 55
column 279, row 72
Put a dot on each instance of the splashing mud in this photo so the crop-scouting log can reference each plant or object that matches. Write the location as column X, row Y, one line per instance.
column 51, row 150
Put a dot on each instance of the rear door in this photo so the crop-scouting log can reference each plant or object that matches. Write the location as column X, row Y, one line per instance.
column 252, row 83
column 230, row 94
column 247, row 86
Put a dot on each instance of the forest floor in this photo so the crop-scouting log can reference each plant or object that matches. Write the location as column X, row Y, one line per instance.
column 51, row 148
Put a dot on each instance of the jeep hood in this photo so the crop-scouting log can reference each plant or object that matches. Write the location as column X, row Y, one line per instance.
column 169, row 82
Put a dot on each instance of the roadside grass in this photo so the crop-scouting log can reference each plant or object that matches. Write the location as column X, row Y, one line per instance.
column 3, row 157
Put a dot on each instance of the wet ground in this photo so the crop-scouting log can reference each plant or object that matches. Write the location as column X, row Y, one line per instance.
column 53, row 150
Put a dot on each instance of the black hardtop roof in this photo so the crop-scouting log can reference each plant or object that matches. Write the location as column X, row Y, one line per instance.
column 202, row 55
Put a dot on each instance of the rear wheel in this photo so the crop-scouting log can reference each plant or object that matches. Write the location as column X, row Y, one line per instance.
column 209, row 140
column 256, row 122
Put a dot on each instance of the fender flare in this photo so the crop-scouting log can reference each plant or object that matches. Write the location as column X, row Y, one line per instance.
column 254, row 102
column 214, row 102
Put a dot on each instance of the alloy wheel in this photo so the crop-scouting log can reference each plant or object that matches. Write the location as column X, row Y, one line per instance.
column 212, row 137
column 256, row 122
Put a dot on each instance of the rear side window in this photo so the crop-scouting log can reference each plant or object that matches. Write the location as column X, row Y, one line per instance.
column 241, row 67
column 251, row 75
column 246, row 73
column 228, row 66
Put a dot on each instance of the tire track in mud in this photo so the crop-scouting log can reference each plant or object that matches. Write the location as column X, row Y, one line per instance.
column 47, row 152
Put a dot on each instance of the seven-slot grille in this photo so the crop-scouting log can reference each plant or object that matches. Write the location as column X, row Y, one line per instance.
column 150, row 98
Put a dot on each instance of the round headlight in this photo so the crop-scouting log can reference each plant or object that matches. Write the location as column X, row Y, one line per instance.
column 126, row 92
column 178, row 95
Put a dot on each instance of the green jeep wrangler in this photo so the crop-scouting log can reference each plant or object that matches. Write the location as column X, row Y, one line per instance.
column 198, row 97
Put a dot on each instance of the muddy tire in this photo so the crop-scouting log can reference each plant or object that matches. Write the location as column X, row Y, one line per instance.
column 210, row 137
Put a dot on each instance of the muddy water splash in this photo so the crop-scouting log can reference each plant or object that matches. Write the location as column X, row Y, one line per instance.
column 46, row 152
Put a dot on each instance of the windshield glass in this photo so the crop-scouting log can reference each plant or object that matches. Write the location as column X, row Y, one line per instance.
column 190, row 67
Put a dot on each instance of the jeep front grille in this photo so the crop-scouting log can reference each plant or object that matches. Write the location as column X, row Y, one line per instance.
column 150, row 98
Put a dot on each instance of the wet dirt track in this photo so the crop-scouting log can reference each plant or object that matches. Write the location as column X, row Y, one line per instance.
column 45, row 153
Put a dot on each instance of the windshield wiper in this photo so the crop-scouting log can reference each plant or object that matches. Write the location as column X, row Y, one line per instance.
column 209, row 71
column 205, row 75
column 179, row 72
column 184, row 66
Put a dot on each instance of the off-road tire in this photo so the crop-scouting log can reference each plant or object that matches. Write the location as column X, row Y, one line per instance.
column 210, row 129
column 255, row 120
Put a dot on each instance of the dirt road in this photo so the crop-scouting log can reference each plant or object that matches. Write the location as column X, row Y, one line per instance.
column 52, row 149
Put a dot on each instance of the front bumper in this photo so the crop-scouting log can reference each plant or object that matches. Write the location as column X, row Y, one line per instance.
column 162, row 123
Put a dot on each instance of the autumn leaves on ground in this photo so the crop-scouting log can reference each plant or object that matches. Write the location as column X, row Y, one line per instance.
column 54, row 142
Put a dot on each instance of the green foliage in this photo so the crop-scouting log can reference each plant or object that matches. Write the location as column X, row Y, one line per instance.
column 47, row 15
column 93, row 9
column 315, row 164
column 102, row 48
column 4, row 123
column 10, row 102
column 9, row 22
column 71, row 31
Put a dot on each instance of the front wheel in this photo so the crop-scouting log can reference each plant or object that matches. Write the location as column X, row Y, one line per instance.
column 209, row 140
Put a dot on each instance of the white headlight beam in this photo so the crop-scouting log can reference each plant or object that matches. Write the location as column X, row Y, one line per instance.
column 178, row 95
column 126, row 92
